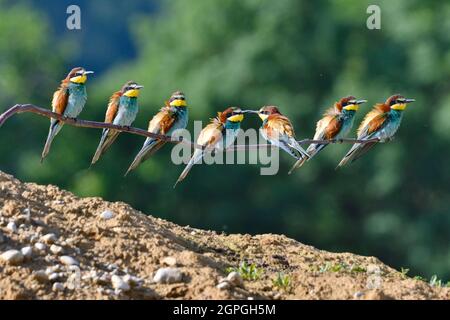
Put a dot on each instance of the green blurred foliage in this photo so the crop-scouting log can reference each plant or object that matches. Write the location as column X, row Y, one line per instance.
column 299, row 55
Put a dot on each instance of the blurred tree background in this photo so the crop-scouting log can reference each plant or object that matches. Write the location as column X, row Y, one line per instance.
column 300, row 55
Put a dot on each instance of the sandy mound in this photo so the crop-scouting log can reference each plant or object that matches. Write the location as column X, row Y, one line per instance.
column 54, row 245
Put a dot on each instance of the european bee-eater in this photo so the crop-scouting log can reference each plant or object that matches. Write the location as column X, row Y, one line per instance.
column 68, row 100
column 336, row 123
column 278, row 130
column 122, row 110
column 219, row 134
column 381, row 123
column 171, row 117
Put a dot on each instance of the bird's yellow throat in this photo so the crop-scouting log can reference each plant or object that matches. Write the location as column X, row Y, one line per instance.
column 178, row 103
column 263, row 116
column 236, row 118
column 133, row 93
column 399, row 106
column 79, row 79
column 352, row 107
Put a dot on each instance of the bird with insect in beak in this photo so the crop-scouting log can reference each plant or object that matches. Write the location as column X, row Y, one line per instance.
column 279, row 131
column 69, row 101
column 122, row 110
column 171, row 117
column 381, row 123
column 219, row 134
column 336, row 123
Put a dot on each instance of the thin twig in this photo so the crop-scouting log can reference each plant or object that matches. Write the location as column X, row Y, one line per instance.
column 21, row 108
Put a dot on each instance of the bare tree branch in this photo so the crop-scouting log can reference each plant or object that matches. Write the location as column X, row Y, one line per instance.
column 21, row 108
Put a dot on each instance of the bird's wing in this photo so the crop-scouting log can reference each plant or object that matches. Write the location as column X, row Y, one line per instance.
column 211, row 134
column 60, row 98
column 279, row 125
column 113, row 107
column 372, row 122
column 327, row 128
column 333, row 127
column 162, row 122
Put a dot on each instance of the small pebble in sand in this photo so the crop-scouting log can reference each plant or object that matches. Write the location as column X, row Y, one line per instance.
column 40, row 276
column 53, row 276
column 68, row 261
column 224, row 285
column 27, row 252
column 56, row 249
column 11, row 226
column 107, row 214
column 358, row 294
column 112, row 266
column 119, row 284
column 235, row 279
column 58, row 286
column 12, row 256
column 40, row 246
column 168, row 275
column 49, row 238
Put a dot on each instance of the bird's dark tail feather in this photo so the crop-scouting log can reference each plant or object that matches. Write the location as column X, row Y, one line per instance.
column 55, row 127
column 198, row 154
column 146, row 152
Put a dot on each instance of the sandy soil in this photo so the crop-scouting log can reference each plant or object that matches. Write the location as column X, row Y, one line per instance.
column 115, row 255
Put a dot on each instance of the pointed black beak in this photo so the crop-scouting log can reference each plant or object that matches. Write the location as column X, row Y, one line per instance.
column 138, row 86
column 88, row 72
column 249, row 111
column 361, row 101
column 407, row 100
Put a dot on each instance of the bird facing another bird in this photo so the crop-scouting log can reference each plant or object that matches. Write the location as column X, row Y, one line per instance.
column 219, row 134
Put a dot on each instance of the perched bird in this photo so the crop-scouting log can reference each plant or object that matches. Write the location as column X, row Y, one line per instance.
column 68, row 100
column 171, row 117
column 122, row 110
column 381, row 123
column 336, row 123
column 219, row 134
column 278, row 130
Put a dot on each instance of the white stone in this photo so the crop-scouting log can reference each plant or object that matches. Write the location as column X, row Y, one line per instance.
column 68, row 261
column 107, row 214
column 56, row 249
column 168, row 275
column 53, row 276
column 41, row 276
column 112, row 266
column 235, row 279
column 119, row 284
column 11, row 226
column 27, row 252
column 49, row 238
column 58, row 286
column 224, row 285
column 12, row 256
column 40, row 246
